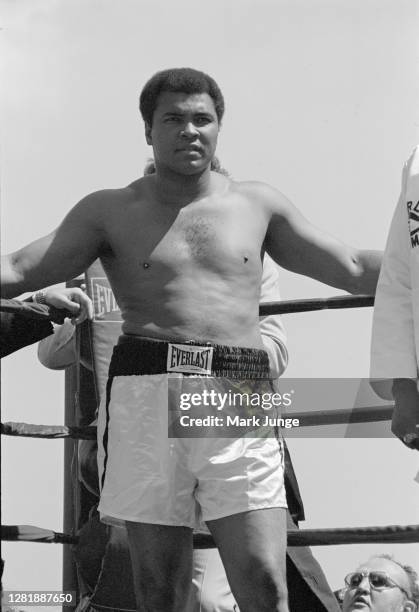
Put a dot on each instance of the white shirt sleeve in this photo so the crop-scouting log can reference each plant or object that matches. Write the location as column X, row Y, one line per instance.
column 393, row 351
column 271, row 327
column 58, row 351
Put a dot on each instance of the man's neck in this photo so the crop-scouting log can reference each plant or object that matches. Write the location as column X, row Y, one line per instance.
column 178, row 189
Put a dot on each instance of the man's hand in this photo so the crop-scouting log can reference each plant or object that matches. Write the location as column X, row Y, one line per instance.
column 72, row 299
column 405, row 422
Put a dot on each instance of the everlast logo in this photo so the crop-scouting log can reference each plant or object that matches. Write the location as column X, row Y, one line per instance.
column 189, row 359
column 104, row 303
column 413, row 212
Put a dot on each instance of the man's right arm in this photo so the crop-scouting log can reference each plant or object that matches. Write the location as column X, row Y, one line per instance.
column 60, row 256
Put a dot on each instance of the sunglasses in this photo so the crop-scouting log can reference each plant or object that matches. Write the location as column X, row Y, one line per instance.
column 379, row 581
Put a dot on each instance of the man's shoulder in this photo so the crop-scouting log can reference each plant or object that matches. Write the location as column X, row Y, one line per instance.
column 261, row 192
column 115, row 195
column 102, row 200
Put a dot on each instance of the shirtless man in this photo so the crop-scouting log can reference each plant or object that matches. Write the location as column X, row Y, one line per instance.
column 182, row 250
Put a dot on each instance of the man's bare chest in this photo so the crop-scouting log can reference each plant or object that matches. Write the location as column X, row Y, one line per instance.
column 204, row 237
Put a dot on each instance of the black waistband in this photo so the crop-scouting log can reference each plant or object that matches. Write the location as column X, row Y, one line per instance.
column 144, row 356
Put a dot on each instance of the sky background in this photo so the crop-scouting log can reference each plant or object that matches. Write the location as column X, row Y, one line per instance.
column 322, row 101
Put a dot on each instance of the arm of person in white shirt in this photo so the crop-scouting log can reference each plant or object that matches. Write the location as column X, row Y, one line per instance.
column 271, row 327
column 393, row 351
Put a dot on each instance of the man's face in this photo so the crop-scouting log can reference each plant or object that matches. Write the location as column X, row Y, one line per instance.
column 364, row 598
column 184, row 132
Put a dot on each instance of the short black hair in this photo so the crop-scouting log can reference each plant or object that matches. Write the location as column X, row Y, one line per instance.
column 184, row 80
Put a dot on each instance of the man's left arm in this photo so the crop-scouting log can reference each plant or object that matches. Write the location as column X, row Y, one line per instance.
column 297, row 245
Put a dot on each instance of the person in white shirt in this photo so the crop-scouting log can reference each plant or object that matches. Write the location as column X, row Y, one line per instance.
column 395, row 337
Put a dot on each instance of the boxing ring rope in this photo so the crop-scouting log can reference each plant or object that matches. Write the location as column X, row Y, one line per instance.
column 295, row 537
column 308, row 305
column 372, row 414
column 49, row 432
column 394, row 534
column 265, row 308
column 30, row 310
column 29, row 533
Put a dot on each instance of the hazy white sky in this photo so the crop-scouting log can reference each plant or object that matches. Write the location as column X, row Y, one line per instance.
column 321, row 101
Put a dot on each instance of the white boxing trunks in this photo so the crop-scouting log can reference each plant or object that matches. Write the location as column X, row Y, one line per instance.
column 148, row 477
